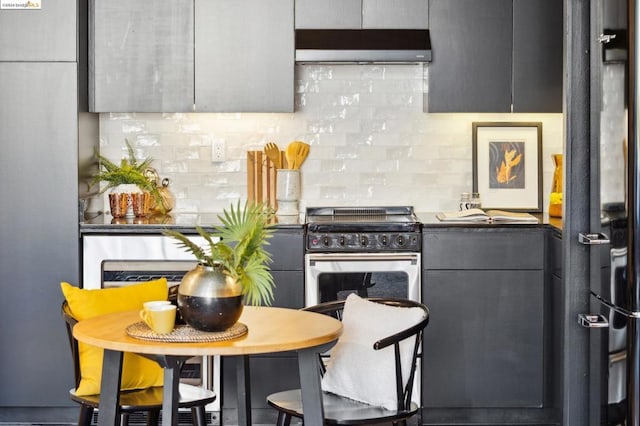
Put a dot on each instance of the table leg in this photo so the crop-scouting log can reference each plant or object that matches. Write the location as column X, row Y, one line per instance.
column 243, row 378
column 310, row 384
column 110, row 388
column 170, row 391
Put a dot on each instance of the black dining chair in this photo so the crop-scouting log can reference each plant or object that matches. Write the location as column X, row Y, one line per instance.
column 148, row 400
column 339, row 410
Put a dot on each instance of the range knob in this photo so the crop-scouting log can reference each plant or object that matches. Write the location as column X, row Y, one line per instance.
column 400, row 240
column 325, row 241
column 364, row 240
column 384, row 240
column 342, row 240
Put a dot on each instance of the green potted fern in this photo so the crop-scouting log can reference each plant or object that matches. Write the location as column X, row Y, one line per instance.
column 232, row 268
column 130, row 171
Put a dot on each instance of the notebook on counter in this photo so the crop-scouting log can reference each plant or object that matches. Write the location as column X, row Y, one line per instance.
column 479, row 215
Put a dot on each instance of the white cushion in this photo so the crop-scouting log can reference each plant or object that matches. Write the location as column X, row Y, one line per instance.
column 357, row 371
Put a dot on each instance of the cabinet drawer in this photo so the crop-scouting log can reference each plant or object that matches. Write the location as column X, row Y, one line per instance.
column 483, row 249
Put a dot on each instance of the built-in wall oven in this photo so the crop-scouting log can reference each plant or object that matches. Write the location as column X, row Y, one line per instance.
column 110, row 260
column 371, row 251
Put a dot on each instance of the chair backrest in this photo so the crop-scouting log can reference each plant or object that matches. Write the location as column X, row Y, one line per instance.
column 404, row 393
column 70, row 322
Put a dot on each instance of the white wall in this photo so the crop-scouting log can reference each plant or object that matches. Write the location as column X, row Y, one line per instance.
column 371, row 142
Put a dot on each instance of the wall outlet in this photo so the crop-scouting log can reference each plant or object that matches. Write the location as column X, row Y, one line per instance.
column 217, row 150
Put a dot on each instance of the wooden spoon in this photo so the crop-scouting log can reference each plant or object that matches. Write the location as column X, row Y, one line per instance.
column 273, row 153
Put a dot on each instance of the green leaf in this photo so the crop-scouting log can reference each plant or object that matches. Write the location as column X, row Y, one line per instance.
column 241, row 252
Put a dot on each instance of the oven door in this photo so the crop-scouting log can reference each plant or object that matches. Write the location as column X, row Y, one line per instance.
column 333, row 276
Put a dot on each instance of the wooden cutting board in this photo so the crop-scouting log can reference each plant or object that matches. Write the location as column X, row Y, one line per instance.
column 261, row 178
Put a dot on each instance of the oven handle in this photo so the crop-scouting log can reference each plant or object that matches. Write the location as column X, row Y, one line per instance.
column 360, row 257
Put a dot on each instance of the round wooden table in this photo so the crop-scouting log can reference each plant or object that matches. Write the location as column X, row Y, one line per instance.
column 269, row 330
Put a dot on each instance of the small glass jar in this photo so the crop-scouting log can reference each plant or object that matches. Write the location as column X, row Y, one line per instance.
column 465, row 200
column 475, row 201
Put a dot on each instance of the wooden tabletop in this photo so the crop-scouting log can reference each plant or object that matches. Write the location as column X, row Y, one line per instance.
column 270, row 330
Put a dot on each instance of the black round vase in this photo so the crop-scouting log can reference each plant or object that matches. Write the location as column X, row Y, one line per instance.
column 209, row 300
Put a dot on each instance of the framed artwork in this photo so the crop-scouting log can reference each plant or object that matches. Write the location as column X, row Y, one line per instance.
column 507, row 165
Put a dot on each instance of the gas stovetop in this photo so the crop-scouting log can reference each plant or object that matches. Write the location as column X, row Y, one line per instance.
column 362, row 229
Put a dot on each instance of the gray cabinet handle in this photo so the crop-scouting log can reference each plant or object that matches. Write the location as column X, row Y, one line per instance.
column 593, row 321
column 593, row 239
column 606, row 38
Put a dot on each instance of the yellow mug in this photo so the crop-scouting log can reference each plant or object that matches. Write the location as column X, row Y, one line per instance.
column 160, row 318
column 154, row 303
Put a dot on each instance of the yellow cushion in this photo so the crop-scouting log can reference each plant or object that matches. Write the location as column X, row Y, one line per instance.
column 137, row 372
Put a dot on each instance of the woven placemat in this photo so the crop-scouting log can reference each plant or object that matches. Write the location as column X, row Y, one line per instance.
column 186, row 333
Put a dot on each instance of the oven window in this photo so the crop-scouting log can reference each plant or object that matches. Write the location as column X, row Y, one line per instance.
column 338, row 285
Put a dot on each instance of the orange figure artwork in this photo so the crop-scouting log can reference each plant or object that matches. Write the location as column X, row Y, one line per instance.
column 506, row 165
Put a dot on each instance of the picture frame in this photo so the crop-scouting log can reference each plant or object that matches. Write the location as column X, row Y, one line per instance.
column 507, row 165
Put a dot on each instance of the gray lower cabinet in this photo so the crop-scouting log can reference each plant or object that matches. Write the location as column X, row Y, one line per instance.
column 273, row 372
column 495, row 56
column 191, row 56
column 46, row 34
column 484, row 347
column 356, row 14
column 141, row 56
column 244, row 58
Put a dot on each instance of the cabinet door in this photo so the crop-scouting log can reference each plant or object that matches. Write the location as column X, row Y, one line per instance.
column 47, row 34
column 483, row 347
column 471, row 67
column 287, row 250
column 329, row 14
column 141, row 56
column 39, row 139
column 244, row 58
column 537, row 56
column 411, row 14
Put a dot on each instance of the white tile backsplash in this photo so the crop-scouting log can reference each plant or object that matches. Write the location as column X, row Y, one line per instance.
column 371, row 142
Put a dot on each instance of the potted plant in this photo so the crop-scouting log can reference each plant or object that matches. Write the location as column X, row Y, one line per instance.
column 232, row 269
column 129, row 172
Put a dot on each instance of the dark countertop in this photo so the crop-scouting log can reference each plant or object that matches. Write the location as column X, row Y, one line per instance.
column 186, row 222
column 430, row 220
column 183, row 222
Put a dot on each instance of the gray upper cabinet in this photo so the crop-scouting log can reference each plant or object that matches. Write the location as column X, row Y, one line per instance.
column 191, row 55
column 244, row 57
column 329, row 14
column 409, row 14
column 357, row 14
column 471, row 63
column 47, row 34
column 141, row 56
column 495, row 56
column 537, row 56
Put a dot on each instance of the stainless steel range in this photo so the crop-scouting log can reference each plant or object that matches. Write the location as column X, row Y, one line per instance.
column 371, row 251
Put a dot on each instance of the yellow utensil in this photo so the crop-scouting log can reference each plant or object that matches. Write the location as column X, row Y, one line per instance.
column 273, row 152
column 290, row 154
column 296, row 153
column 302, row 152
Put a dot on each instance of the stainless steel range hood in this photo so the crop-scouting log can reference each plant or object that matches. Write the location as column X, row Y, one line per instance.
column 363, row 46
